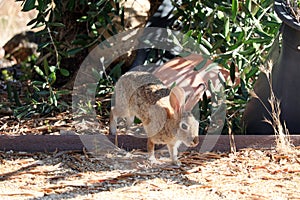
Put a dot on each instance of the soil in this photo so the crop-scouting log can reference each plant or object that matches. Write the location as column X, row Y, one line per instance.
column 247, row 174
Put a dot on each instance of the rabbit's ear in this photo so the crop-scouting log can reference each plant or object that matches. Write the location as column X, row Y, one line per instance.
column 195, row 97
column 177, row 99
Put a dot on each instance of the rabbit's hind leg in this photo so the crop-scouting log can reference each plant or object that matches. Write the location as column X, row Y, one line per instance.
column 150, row 148
column 113, row 122
column 129, row 121
column 115, row 113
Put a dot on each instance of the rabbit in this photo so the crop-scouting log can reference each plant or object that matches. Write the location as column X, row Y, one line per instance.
column 161, row 110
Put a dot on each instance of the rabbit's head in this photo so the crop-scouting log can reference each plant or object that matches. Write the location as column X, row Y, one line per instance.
column 187, row 126
column 187, row 131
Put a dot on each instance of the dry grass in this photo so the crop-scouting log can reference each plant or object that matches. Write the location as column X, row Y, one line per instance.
column 283, row 143
column 12, row 20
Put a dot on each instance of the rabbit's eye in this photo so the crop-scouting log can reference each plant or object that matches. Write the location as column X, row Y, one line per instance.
column 184, row 126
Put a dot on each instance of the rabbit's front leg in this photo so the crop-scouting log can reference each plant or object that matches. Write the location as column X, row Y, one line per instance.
column 173, row 151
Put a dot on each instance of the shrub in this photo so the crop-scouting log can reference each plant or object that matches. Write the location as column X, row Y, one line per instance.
column 236, row 34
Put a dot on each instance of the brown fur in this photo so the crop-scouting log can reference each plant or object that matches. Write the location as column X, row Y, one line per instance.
column 161, row 110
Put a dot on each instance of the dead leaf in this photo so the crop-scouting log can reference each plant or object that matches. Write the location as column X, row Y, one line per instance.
column 191, row 171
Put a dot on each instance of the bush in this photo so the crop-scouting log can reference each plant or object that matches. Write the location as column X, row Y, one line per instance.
column 68, row 29
column 236, row 34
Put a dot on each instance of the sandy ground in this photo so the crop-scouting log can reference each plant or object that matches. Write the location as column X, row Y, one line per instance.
column 247, row 174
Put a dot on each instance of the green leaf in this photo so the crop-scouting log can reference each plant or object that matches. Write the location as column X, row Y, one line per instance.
column 52, row 68
column 82, row 19
column 35, row 88
column 249, row 5
column 42, row 32
column 218, row 44
column 16, row 97
column 116, row 72
column 57, row 24
column 184, row 54
column 39, row 71
column 52, row 78
column 46, row 67
column 204, row 50
column 32, row 22
column 37, row 83
column 212, row 90
column 42, row 6
column 52, row 98
column 43, row 45
column 244, row 90
column 226, row 29
column 232, row 72
column 222, row 79
column 62, row 92
column 28, row 5
column 173, row 85
column 71, row 4
column 235, row 7
column 248, row 51
column 64, row 72
column 206, row 43
column 211, row 66
column 201, row 64
column 257, row 40
column 251, row 73
column 99, row 3
column 43, row 93
column 72, row 52
column 122, row 16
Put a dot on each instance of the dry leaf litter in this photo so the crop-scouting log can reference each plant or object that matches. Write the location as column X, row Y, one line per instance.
column 247, row 174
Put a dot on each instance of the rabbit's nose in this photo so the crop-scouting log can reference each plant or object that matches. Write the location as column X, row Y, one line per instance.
column 195, row 141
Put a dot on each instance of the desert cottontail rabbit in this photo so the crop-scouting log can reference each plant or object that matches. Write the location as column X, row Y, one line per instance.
column 161, row 110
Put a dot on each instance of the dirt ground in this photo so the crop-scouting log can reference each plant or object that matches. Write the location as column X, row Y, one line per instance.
column 247, row 174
